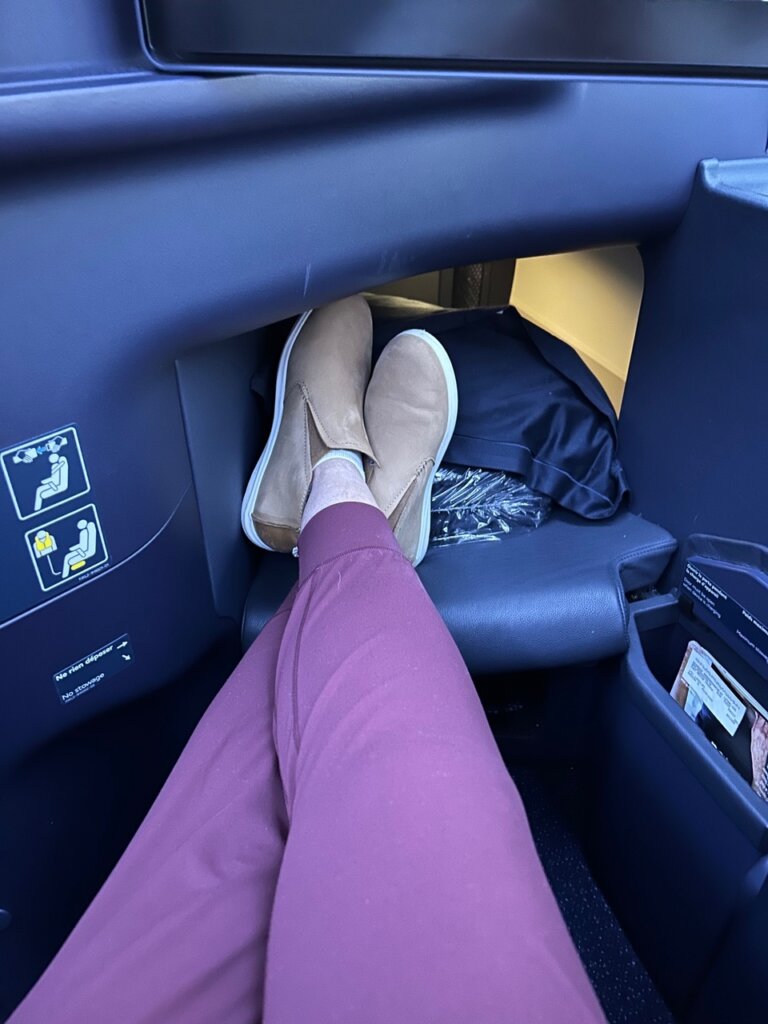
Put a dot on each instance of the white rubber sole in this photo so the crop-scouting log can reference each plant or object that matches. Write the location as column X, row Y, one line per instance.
column 453, row 409
column 252, row 490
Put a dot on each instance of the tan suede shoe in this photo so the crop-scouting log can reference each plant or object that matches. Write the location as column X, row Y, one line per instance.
column 321, row 381
column 410, row 414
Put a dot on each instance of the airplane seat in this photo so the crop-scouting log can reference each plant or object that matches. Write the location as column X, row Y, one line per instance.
column 550, row 597
column 554, row 596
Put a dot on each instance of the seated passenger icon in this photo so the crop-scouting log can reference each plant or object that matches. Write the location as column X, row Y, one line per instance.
column 85, row 548
column 56, row 483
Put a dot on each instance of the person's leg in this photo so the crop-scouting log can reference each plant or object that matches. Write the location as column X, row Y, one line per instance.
column 334, row 482
column 410, row 889
column 177, row 934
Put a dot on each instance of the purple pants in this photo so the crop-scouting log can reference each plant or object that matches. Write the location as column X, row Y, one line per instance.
column 339, row 841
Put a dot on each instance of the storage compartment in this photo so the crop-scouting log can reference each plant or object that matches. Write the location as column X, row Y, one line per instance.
column 677, row 830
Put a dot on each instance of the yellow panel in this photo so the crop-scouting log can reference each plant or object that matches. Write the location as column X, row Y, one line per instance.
column 589, row 299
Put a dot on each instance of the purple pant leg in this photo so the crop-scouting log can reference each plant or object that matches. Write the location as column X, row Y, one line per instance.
column 410, row 889
column 177, row 934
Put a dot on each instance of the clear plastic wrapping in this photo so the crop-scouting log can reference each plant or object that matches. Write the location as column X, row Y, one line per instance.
column 482, row 505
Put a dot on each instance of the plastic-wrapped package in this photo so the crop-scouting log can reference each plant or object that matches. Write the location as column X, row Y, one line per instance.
column 482, row 504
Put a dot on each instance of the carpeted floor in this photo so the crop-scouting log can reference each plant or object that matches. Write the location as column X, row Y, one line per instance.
column 625, row 990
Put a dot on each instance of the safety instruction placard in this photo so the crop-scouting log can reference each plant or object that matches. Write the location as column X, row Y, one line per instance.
column 45, row 472
column 739, row 625
column 83, row 675
column 705, row 678
column 65, row 549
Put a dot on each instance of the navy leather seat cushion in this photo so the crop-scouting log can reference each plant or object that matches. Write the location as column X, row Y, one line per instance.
column 554, row 596
column 528, row 405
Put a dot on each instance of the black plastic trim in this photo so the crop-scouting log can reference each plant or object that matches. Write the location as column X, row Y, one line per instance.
column 637, row 37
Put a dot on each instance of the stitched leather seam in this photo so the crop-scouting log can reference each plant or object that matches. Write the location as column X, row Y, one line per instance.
column 334, row 442
column 278, row 526
column 394, row 502
column 307, row 458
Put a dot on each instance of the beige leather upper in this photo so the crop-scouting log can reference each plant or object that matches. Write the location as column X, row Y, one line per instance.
column 327, row 374
column 406, row 414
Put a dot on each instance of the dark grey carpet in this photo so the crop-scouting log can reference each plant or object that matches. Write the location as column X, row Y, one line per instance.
column 625, row 990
